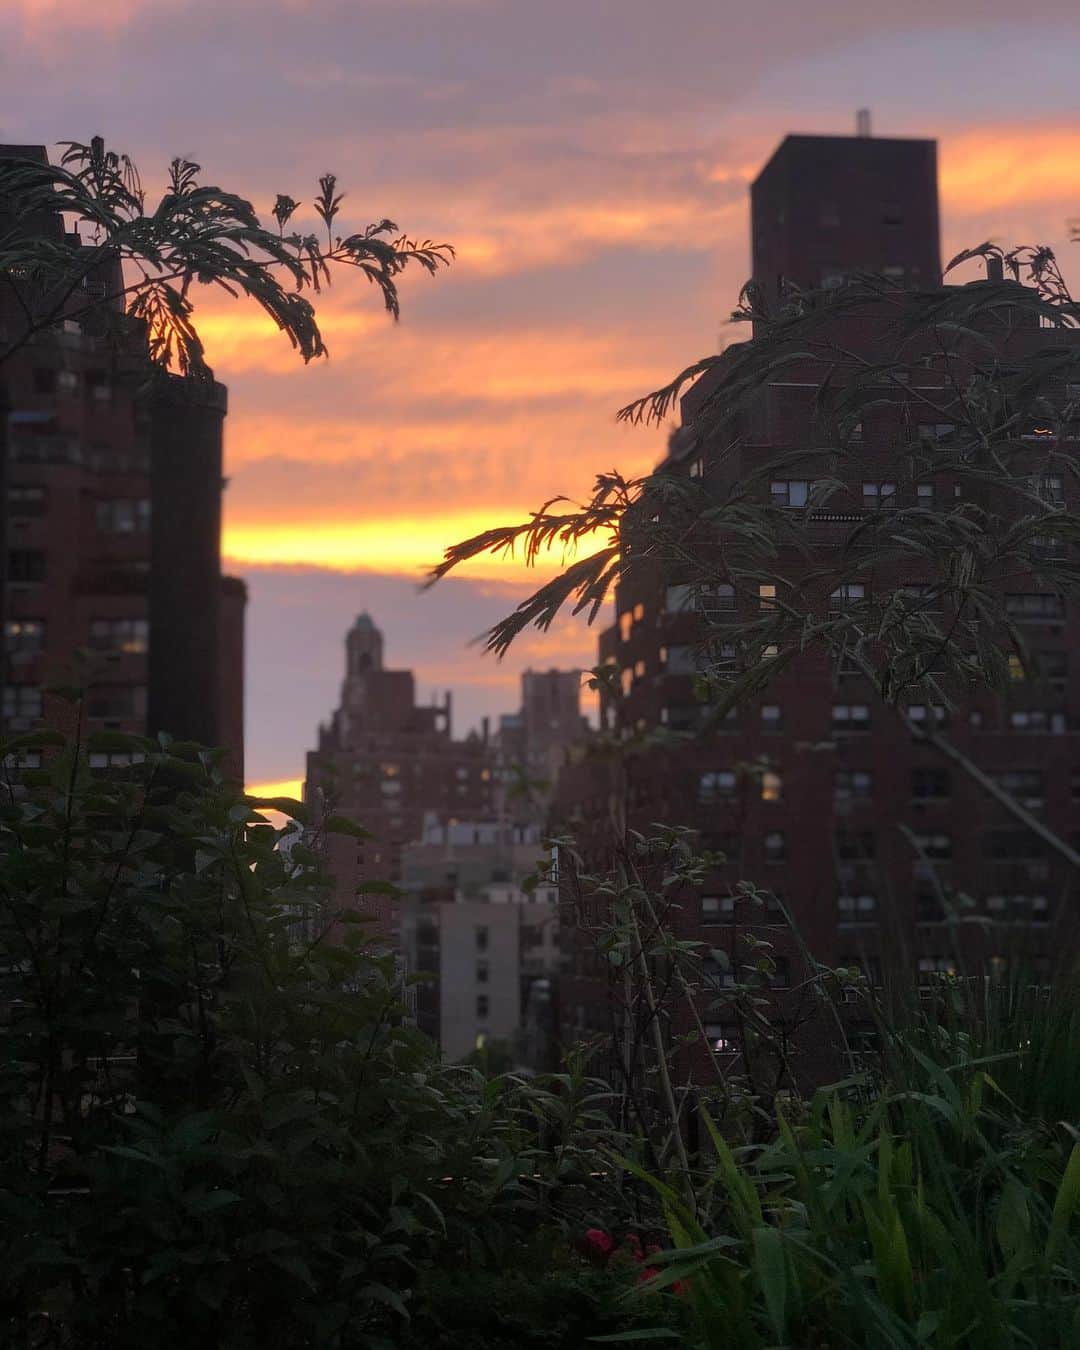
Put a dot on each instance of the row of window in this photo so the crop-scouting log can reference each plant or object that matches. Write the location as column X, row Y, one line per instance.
column 131, row 636
column 66, row 383
column 24, row 703
column 796, row 492
column 1005, row 844
column 927, row 784
column 721, row 598
column 854, row 718
column 97, row 759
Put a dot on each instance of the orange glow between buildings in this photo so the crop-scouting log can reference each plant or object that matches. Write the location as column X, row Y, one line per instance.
column 401, row 545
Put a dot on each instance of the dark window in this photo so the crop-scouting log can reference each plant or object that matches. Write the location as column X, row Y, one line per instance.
column 878, row 494
column 717, row 909
column 23, row 759
column 482, row 937
column 935, row 846
column 850, row 717
column 1010, row 845
column 774, row 847
column 481, row 1006
column 22, row 703
column 44, row 381
column 481, row 972
column 849, row 784
column 934, row 784
column 790, row 492
column 718, row 598
column 1033, row 607
column 118, row 701
column 26, row 500
column 855, row 845
column 848, row 596
column 780, row 977
column 124, row 515
column 1053, row 665
column 716, row 785
column 114, row 759
column 857, row 908
column 1026, row 785
column 892, row 213
column 1039, row 720
column 26, row 564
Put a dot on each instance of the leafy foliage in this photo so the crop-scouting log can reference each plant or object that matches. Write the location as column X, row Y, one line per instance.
column 151, row 258
column 217, row 1124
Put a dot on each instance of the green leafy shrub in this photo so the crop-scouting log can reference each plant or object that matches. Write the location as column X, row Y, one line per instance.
column 218, row 1127
column 926, row 1210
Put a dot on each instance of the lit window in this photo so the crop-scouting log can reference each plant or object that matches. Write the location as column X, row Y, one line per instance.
column 724, row 1038
column 120, row 635
column 697, row 468
column 26, row 636
column 771, row 786
column 771, row 717
column 626, row 624
column 1016, row 668
column 767, row 596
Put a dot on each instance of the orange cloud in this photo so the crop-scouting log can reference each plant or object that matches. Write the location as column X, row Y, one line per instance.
column 398, row 544
column 994, row 167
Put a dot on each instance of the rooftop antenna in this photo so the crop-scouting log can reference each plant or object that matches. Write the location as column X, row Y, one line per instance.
column 862, row 122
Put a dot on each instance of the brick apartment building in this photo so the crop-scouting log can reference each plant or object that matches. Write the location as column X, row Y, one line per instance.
column 112, row 488
column 532, row 744
column 386, row 762
column 836, row 775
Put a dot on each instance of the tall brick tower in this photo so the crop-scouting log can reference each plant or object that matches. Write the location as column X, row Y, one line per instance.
column 112, row 510
column 815, row 790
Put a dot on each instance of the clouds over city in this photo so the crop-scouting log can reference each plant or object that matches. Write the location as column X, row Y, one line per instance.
column 589, row 159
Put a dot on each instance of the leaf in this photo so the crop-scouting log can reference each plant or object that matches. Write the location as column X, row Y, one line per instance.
column 770, row 1264
column 207, row 1202
column 1066, row 1203
column 638, row 1334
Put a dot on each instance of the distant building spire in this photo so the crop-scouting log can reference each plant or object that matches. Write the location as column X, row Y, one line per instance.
column 862, row 122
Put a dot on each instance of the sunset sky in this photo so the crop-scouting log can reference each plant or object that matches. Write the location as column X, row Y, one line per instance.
column 589, row 160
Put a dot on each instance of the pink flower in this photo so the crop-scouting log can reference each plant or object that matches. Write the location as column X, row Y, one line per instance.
column 599, row 1244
